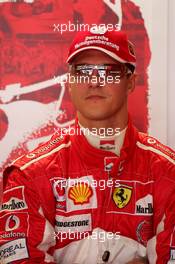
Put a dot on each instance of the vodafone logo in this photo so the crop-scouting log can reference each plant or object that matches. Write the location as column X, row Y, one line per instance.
column 151, row 141
column 12, row 223
column 30, row 156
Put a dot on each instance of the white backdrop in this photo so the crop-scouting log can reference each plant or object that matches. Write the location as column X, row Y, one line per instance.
column 155, row 14
column 160, row 23
column 171, row 74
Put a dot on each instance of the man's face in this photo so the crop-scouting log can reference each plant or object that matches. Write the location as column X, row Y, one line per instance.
column 93, row 100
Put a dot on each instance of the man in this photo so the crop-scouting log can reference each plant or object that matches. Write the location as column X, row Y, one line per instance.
column 103, row 194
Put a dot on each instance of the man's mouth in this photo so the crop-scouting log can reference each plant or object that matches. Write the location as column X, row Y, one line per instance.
column 94, row 97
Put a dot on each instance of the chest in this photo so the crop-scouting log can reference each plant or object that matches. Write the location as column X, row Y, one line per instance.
column 91, row 199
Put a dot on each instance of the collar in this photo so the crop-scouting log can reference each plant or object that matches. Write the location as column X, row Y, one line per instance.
column 101, row 159
column 110, row 143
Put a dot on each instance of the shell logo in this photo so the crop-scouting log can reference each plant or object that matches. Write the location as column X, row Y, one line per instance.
column 80, row 193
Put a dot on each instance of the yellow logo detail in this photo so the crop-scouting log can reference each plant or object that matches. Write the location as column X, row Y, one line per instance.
column 122, row 196
column 80, row 193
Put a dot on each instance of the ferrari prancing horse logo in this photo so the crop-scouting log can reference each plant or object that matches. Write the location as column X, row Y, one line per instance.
column 122, row 195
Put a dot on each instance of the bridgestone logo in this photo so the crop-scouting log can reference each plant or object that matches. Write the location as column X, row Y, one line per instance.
column 76, row 223
column 73, row 223
column 13, row 205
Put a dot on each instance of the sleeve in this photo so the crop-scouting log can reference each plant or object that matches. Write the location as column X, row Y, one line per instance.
column 26, row 235
column 161, row 248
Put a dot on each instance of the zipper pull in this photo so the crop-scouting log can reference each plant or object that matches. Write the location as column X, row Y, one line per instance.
column 105, row 256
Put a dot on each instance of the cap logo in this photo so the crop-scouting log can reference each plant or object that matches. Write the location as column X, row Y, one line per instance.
column 98, row 30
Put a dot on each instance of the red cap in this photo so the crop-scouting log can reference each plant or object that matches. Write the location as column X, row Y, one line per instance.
column 113, row 43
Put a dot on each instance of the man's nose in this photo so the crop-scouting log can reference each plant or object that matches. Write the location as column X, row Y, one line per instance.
column 94, row 81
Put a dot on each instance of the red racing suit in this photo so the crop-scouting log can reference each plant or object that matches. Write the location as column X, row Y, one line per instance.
column 68, row 202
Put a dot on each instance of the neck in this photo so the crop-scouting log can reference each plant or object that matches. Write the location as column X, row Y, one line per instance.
column 109, row 143
column 114, row 122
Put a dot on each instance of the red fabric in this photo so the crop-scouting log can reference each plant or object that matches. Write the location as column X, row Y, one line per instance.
column 145, row 170
column 114, row 43
column 32, row 52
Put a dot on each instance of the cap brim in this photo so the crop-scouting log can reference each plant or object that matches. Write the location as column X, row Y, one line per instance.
column 109, row 53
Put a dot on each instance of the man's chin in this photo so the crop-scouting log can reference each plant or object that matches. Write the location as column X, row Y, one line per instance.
column 96, row 116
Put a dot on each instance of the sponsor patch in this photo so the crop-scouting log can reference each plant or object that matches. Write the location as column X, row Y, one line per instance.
column 107, row 144
column 144, row 205
column 12, row 234
column 14, row 225
column 79, row 198
column 80, row 193
column 122, row 195
column 76, row 223
column 47, row 147
column 14, row 200
column 109, row 163
column 144, row 231
column 13, row 251
column 59, row 191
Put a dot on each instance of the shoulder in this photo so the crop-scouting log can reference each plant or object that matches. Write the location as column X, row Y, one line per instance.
column 155, row 147
column 39, row 163
column 43, row 153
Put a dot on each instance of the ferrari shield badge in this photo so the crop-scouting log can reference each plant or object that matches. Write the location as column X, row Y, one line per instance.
column 122, row 195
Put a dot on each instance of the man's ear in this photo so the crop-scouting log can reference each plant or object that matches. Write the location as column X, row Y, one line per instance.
column 69, row 87
column 67, row 83
column 131, row 82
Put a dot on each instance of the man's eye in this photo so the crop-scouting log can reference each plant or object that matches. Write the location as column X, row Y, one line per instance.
column 87, row 71
column 102, row 72
column 84, row 71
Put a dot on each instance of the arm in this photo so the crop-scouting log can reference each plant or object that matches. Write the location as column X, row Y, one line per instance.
column 161, row 247
column 26, row 235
